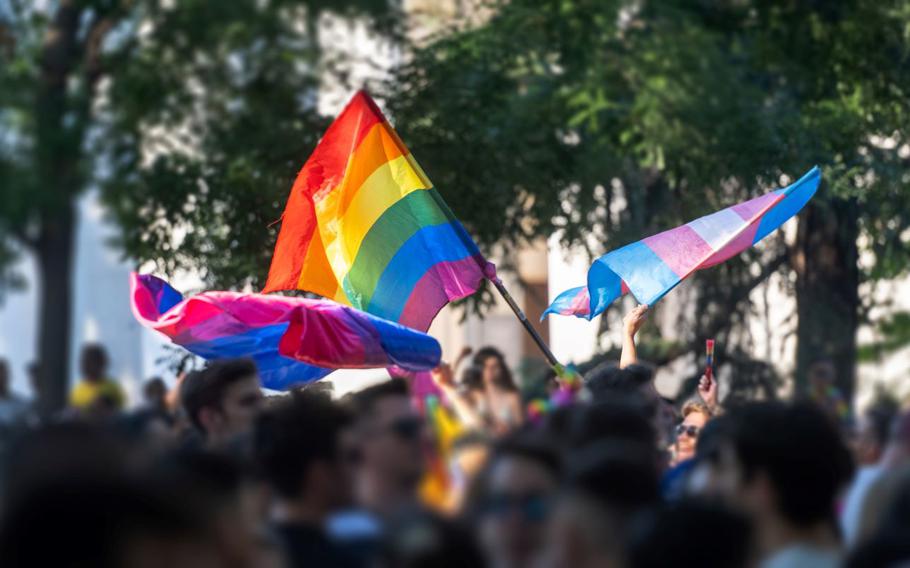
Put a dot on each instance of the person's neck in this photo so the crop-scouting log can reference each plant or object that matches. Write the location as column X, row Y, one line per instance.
column 298, row 511
column 384, row 497
column 776, row 533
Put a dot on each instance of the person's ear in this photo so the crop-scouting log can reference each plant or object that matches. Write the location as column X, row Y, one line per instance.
column 210, row 419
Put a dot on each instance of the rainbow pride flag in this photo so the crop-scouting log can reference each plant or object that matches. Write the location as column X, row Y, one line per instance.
column 292, row 340
column 363, row 226
column 652, row 267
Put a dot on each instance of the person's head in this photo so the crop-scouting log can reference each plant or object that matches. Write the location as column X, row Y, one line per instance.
column 154, row 393
column 93, row 362
column 106, row 523
column 493, row 368
column 608, row 381
column 471, row 379
column 784, row 464
column 33, row 371
column 149, row 427
column 691, row 533
column 873, row 431
column 223, row 399
column 897, row 449
column 624, row 418
column 705, row 478
column 607, row 486
column 514, row 499
column 695, row 415
column 390, row 437
column 822, row 372
column 297, row 445
column 4, row 378
column 228, row 493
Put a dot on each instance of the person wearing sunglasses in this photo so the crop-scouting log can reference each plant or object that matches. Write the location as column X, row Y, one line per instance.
column 695, row 416
column 389, row 452
column 514, row 500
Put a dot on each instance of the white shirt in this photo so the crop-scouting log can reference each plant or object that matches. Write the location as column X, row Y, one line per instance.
column 852, row 512
column 803, row 556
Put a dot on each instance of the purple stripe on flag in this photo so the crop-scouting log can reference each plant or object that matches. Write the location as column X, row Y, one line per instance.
column 442, row 283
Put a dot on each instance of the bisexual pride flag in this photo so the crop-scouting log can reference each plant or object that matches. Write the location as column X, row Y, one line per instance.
column 652, row 267
column 363, row 226
column 292, row 340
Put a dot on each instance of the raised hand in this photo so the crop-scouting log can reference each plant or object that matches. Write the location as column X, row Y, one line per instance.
column 707, row 390
column 443, row 376
column 634, row 320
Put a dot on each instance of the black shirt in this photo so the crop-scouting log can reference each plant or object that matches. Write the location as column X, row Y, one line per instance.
column 306, row 545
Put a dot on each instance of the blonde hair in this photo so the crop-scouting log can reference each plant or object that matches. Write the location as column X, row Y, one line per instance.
column 695, row 406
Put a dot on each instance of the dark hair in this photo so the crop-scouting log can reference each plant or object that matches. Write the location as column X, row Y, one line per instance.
column 531, row 446
column 363, row 403
column 294, row 433
column 471, row 378
column 607, row 380
column 881, row 416
column 621, row 418
column 676, row 536
column 711, row 439
column 800, row 449
column 620, row 476
column 93, row 360
column 94, row 521
column 505, row 380
column 890, row 548
column 206, row 388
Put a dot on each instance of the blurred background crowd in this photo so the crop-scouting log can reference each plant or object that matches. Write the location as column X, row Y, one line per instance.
column 214, row 472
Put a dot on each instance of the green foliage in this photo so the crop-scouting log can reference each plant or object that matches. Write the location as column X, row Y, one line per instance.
column 604, row 121
column 192, row 117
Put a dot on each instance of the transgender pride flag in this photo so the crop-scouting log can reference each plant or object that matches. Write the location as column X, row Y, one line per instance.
column 652, row 267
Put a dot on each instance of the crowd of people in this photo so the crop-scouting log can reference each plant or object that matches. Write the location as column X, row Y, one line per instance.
column 212, row 472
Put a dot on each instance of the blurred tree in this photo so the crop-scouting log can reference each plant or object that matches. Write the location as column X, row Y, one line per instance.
column 607, row 120
column 190, row 116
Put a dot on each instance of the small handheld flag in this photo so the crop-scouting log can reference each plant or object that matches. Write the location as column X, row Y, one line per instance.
column 709, row 359
column 652, row 267
column 292, row 340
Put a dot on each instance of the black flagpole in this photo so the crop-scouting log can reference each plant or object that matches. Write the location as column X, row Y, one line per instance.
column 527, row 325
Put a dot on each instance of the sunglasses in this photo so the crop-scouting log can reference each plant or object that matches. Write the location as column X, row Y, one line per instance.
column 690, row 430
column 533, row 507
column 406, row 428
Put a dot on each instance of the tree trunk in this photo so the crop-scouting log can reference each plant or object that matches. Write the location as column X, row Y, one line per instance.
column 827, row 290
column 54, row 252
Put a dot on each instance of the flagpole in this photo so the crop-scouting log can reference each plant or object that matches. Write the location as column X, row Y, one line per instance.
column 527, row 325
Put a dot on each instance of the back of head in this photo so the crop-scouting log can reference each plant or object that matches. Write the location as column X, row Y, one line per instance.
column 623, row 418
column 691, row 533
column 800, row 450
column 608, row 380
column 61, row 450
column 294, row 433
column 619, row 476
column 93, row 361
column 207, row 388
column 102, row 522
